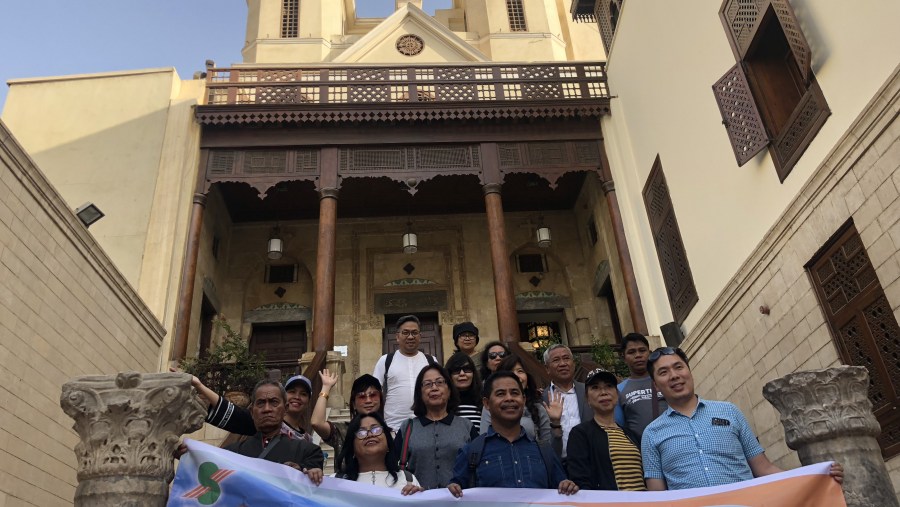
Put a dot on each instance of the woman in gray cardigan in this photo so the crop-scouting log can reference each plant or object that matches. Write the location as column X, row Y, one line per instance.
column 428, row 443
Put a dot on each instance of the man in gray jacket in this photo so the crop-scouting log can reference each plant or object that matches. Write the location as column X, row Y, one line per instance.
column 560, row 365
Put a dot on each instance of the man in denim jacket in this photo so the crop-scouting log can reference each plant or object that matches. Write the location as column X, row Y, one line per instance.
column 505, row 456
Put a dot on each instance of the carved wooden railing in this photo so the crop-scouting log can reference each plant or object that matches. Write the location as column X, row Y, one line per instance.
column 403, row 84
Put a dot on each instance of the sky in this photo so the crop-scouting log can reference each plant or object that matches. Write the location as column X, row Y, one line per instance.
column 59, row 37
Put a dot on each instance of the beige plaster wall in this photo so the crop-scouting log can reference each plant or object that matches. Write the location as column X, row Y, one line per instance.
column 108, row 138
column 65, row 310
column 665, row 106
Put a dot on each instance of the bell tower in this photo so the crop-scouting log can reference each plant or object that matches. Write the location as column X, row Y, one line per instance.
column 293, row 31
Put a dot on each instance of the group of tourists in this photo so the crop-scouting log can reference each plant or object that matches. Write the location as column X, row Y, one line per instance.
column 481, row 421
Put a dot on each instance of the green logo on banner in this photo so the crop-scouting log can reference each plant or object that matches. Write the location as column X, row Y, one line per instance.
column 209, row 476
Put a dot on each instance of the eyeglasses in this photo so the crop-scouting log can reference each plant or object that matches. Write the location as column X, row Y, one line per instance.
column 467, row 336
column 407, row 332
column 464, row 369
column 662, row 351
column 496, row 355
column 428, row 384
column 374, row 431
column 367, row 395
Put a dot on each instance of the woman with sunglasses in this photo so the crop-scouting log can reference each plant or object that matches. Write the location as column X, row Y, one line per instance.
column 491, row 356
column 428, row 443
column 540, row 420
column 365, row 398
column 462, row 372
column 368, row 456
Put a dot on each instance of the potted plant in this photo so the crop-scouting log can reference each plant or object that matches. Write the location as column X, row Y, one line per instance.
column 229, row 367
column 608, row 358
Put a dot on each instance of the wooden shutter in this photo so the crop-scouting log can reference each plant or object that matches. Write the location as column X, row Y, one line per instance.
column 863, row 325
column 795, row 37
column 805, row 122
column 603, row 15
column 742, row 19
column 740, row 115
column 669, row 247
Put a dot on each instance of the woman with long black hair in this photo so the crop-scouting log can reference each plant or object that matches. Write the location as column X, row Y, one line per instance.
column 464, row 376
column 368, row 456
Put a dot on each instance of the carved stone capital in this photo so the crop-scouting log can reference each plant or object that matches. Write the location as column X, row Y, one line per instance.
column 821, row 404
column 200, row 199
column 129, row 425
column 826, row 416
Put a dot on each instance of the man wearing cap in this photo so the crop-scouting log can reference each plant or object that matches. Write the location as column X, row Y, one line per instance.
column 397, row 372
column 637, row 407
column 267, row 408
column 465, row 337
column 697, row 443
column 601, row 454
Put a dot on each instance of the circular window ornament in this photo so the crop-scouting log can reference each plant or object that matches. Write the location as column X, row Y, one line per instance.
column 410, row 45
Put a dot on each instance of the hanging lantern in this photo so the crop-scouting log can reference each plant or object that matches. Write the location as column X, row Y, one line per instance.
column 276, row 245
column 543, row 236
column 410, row 240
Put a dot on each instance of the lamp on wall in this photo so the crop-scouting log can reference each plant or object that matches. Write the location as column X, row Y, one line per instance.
column 88, row 213
column 276, row 245
column 410, row 240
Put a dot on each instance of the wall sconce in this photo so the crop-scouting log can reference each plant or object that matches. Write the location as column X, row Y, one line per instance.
column 275, row 246
column 410, row 240
column 88, row 213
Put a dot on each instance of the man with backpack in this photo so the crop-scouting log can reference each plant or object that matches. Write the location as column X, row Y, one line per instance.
column 506, row 456
column 397, row 372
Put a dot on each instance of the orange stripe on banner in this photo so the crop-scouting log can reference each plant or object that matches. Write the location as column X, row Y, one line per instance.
column 196, row 492
column 803, row 491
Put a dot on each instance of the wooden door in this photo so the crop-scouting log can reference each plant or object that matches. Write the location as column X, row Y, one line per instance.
column 281, row 344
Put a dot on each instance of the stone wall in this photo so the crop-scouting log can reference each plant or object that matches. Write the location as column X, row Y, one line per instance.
column 734, row 348
column 65, row 310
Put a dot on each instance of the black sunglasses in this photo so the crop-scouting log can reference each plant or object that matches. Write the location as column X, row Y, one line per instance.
column 495, row 355
column 663, row 351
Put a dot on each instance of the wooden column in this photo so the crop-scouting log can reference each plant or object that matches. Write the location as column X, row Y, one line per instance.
column 635, row 308
column 323, row 306
column 504, row 295
column 188, row 277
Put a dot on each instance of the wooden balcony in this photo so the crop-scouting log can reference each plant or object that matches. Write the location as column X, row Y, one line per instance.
column 404, row 93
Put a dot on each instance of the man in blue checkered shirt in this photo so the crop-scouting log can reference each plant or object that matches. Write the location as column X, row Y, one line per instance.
column 698, row 443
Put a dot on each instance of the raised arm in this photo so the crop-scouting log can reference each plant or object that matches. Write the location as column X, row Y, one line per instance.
column 317, row 420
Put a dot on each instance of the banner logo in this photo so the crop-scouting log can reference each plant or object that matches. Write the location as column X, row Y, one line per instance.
column 209, row 476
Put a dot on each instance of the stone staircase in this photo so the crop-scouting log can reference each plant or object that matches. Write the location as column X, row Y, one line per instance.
column 332, row 415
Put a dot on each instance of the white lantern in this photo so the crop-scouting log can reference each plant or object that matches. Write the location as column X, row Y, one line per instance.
column 275, row 246
column 543, row 236
column 410, row 243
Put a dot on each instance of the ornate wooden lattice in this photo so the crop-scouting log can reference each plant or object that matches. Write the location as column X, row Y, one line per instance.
column 863, row 324
column 607, row 14
column 516, row 12
column 550, row 160
column 673, row 259
column 806, row 120
column 261, row 168
column 740, row 115
column 290, row 18
column 736, row 95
